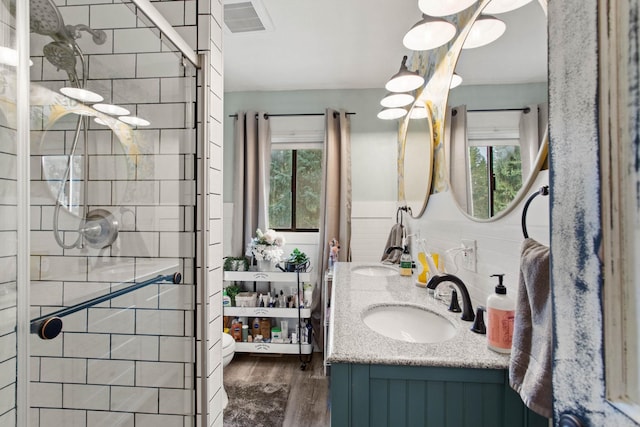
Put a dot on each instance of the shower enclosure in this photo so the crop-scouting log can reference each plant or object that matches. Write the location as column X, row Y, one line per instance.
column 112, row 208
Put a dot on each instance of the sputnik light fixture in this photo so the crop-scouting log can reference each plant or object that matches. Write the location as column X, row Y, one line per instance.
column 392, row 113
column 429, row 33
column 486, row 29
column 392, row 100
column 443, row 7
column 404, row 80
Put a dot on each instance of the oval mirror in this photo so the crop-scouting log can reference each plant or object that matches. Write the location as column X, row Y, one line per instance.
column 497, row 119
column 416, row 158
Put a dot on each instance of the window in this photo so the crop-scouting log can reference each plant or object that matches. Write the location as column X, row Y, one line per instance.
column 496, row 177
column 493, row 160
column 295, row 178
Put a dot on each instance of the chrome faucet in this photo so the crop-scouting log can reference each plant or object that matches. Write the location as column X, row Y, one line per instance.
column 467, row 308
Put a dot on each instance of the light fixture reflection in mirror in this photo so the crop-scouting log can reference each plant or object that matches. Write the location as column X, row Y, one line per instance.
column 82, row 95
column 392, row 113
column 134, row 121
column 456, row 81
column 418, row 112
column 416, row 159
column 486, row 29
column 113, row 110
column 392, row 100
column 443, row 7
column 429, row 33
column 101, row 122
column 404, row 80
column 503, row 6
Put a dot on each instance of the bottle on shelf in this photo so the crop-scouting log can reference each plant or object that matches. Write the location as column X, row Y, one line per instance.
column 226, row 299
column 255, row 327
column 236, row 330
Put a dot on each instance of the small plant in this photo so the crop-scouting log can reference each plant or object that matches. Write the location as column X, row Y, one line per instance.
column 297, row 257
column 232, row 291
column 235, row 264
column 297, row 261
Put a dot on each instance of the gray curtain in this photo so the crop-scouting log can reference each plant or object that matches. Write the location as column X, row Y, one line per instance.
column 458, row 155
column 529, row 140
column 252, row 150
column 335, row 205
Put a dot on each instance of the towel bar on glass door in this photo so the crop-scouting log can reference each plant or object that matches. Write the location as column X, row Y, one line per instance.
column 49, row 326
column 543, row 191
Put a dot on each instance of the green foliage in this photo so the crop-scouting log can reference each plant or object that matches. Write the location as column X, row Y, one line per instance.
column 298, row 257
column 507, row 176
column 479, row 182
column 507, row 169
column 232, row 291
column 231, row 262
column 308, row 176
column 280, row 189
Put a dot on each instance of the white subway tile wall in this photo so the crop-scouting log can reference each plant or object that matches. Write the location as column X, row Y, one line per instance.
column 8, row 251
column 129, row 361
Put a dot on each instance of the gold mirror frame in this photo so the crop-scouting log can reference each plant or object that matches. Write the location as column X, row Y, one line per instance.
column 405, row 136
column 541, row 158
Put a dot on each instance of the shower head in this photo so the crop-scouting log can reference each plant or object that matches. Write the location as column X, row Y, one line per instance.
column 45, row 18
column 62, row 56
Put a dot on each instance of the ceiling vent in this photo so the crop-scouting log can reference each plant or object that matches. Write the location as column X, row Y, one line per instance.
column 246, row 16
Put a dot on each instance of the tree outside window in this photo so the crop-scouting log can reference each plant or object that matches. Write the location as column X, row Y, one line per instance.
column 294, row 197
column 496, row 178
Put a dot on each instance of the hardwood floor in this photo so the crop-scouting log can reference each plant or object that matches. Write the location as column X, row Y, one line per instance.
column 308, row 404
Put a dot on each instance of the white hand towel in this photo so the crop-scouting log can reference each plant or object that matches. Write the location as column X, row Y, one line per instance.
column 530, row 366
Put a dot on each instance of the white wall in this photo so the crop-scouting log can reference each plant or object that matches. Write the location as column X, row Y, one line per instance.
column 498, row 242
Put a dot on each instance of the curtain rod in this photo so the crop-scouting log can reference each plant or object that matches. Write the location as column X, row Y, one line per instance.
column 266, row 115
column 525, row 109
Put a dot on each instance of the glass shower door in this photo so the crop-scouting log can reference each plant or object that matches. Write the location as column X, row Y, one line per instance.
column 11, row 207
column 113, row 220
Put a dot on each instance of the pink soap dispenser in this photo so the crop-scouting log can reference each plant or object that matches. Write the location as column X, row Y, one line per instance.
column 500, row 317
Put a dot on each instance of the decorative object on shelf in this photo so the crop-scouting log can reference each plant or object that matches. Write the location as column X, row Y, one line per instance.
column 232, row 291
column 297, row 261
column 235, row 264
column 266, row 249
column 334, row 248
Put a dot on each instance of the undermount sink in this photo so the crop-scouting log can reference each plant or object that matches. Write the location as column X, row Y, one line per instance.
column 375, row 270
column 409, row 323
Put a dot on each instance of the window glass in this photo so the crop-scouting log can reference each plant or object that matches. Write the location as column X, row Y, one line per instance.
column 495, row 172
column 294, row 198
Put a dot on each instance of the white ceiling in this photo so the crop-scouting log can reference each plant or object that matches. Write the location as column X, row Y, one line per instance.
column 357, row 44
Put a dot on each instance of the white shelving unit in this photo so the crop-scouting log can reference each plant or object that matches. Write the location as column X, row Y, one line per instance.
column 271, row 312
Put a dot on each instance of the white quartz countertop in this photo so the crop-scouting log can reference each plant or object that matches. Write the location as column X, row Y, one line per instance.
column 351, row 341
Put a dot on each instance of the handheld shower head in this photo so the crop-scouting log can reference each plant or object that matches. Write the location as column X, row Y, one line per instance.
column 62, row 56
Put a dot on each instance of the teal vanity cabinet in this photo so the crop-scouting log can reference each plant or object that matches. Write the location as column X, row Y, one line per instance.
column 395, row 396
